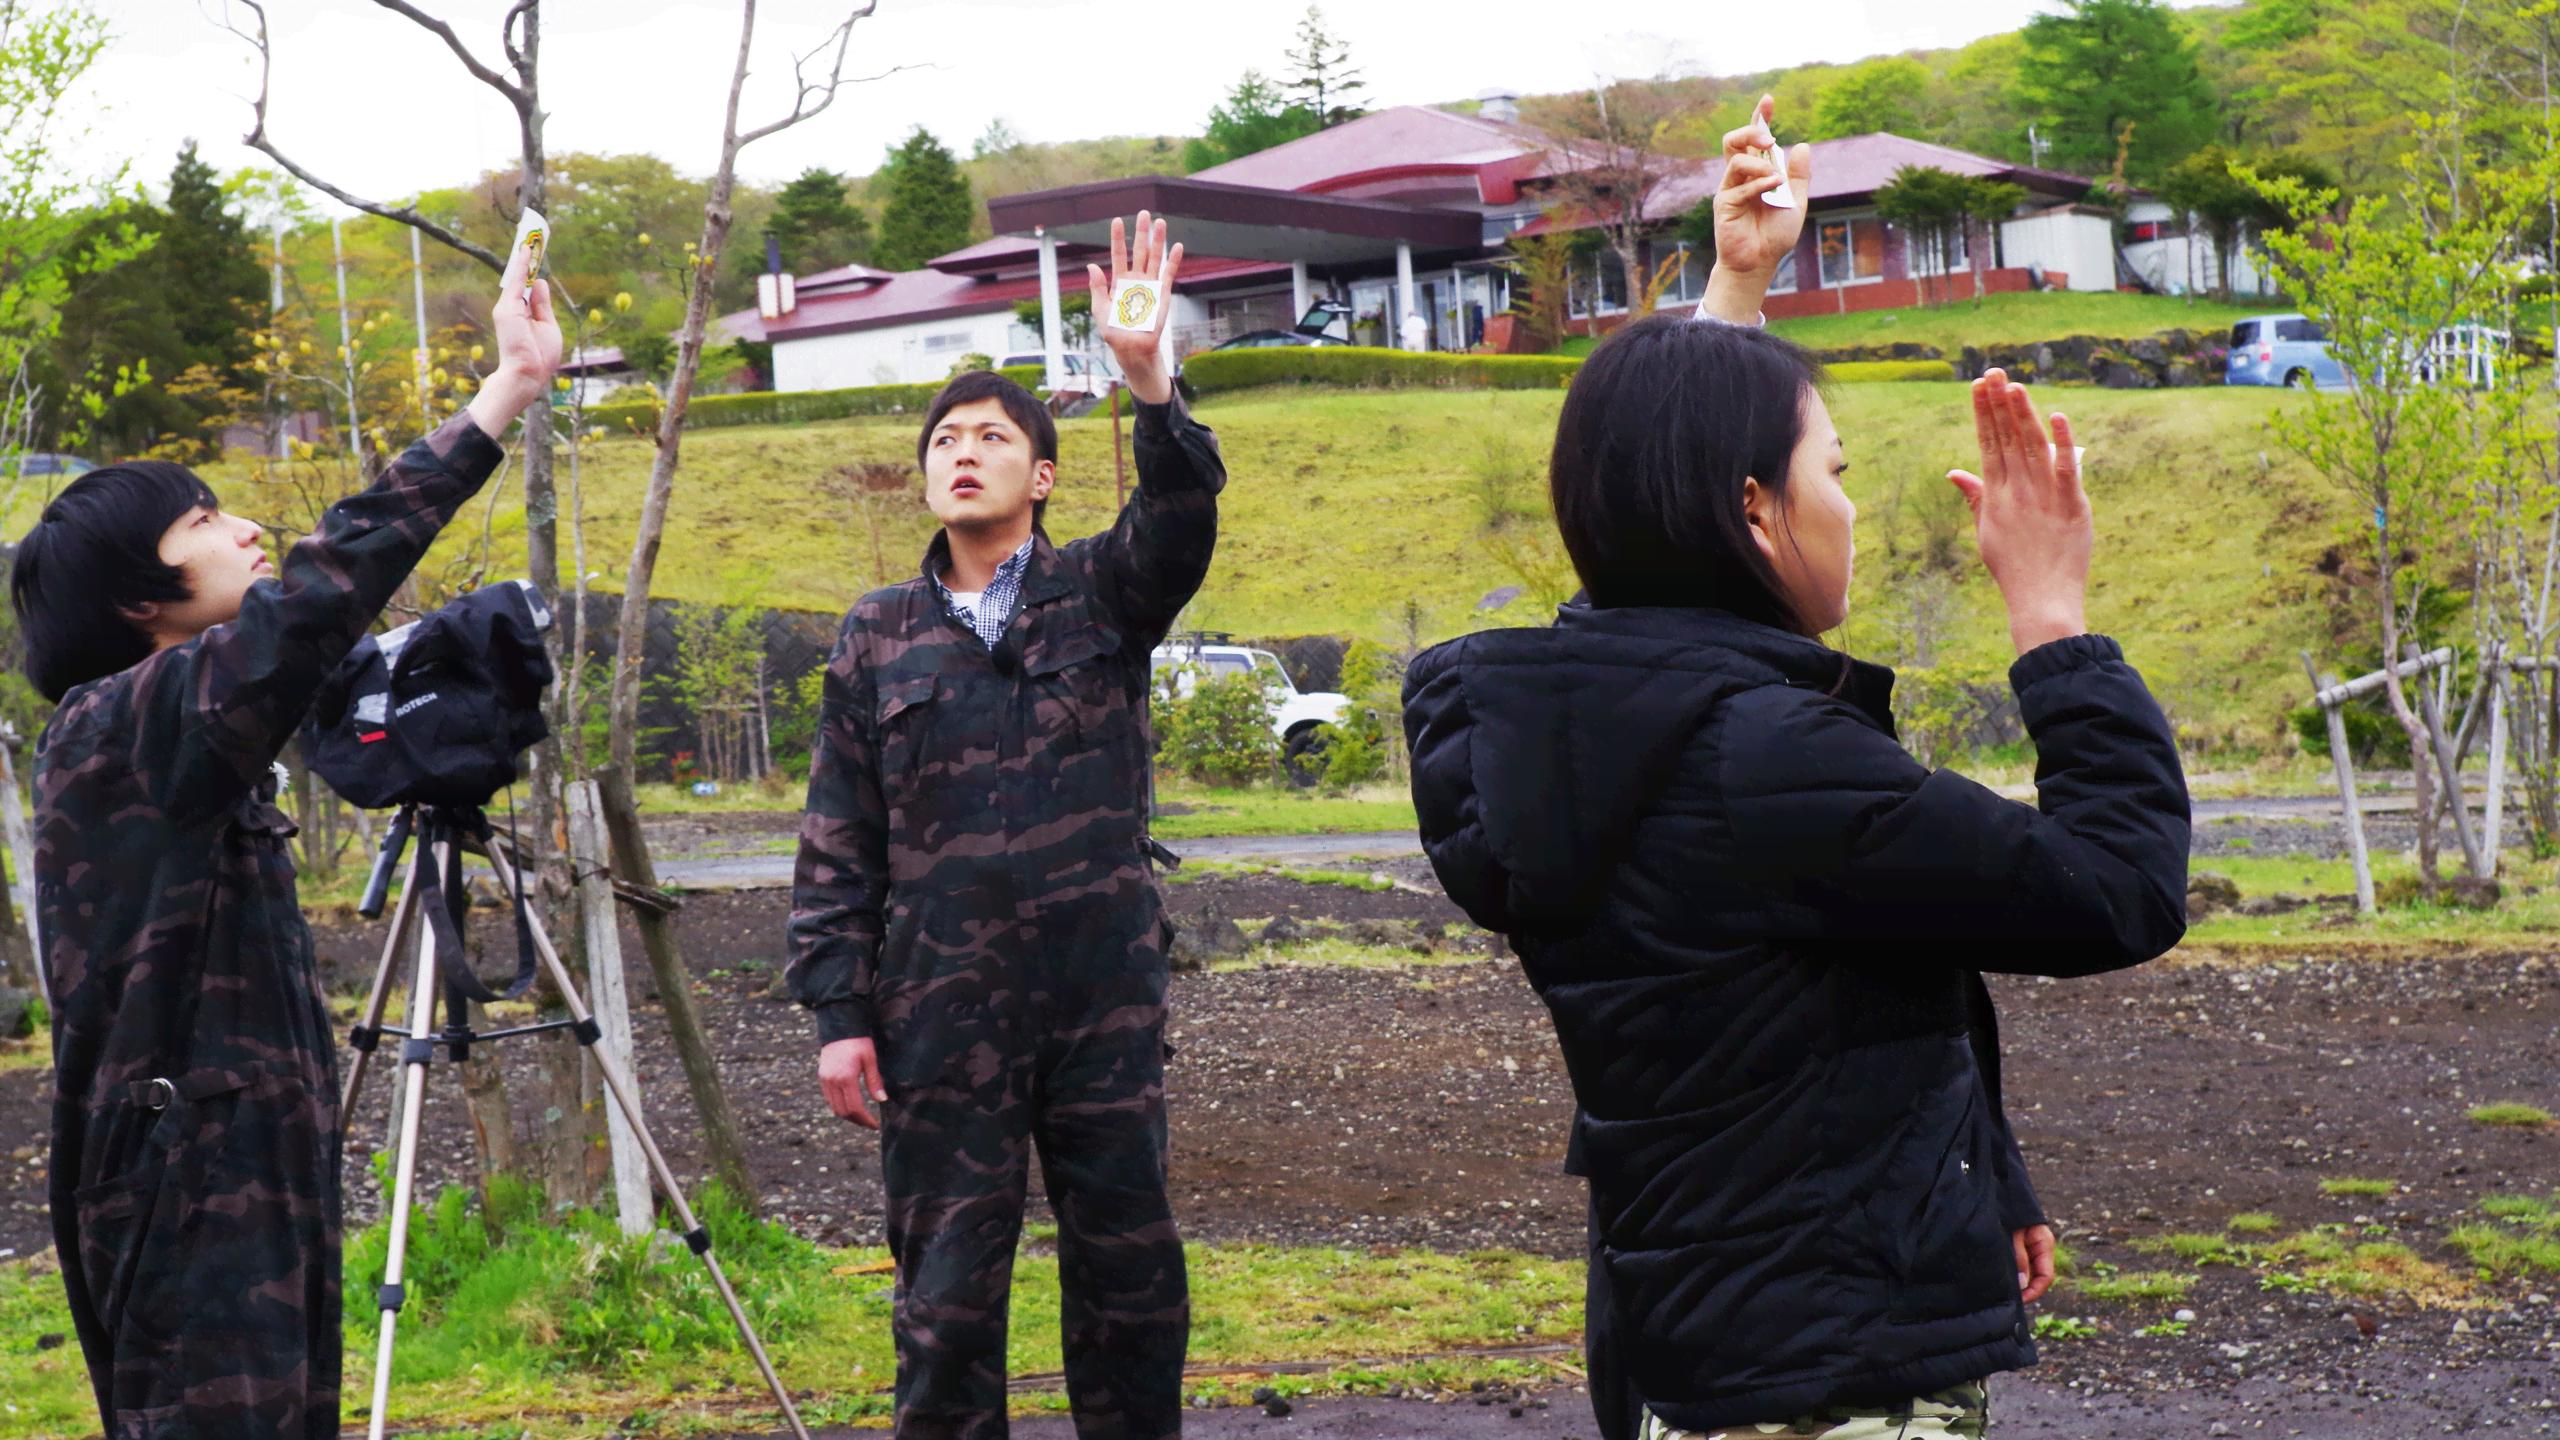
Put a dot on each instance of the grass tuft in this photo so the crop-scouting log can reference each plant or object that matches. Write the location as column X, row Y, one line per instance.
column 2354, row 1186
column 2255, row 1222
column 2511, row 1114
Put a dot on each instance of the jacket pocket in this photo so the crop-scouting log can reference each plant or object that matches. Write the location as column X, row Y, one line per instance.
column 1935, row 1214
column 902, row 728
column 1079, row 693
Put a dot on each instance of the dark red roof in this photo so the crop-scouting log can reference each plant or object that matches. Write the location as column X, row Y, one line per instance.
column 1845, row 171
column 1407, row 139
column 913, row 296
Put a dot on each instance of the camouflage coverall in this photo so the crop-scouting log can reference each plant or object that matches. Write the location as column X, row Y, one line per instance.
column 975, row 892
column 1962, row 1412
column 195, row 1180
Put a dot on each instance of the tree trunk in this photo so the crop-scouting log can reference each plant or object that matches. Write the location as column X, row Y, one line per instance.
column 2421, row 767
column 1631, row 259
column 631, row 863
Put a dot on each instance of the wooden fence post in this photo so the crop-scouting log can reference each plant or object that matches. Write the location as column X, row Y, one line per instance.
column 2321, row 685
column 654, row 914
column 607, row 998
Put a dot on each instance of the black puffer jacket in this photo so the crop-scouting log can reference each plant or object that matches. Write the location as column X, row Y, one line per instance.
column 1759, row 925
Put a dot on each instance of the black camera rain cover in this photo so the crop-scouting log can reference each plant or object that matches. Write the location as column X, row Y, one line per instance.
column 437, row 711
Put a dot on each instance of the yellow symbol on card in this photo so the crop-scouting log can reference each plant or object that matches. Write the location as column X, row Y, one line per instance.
column 1136, row 306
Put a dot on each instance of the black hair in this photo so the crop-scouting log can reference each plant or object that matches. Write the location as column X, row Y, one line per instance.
column 1663, row 424
column 94, row 556
column 1020, row 406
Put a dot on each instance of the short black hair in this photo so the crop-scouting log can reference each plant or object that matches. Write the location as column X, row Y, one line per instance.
column 93, row 556
column 1662, row 425
column 1020, row 406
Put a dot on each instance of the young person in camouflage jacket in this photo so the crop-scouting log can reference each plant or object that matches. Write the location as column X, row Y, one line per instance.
column 975, row 921
column 195, row 1167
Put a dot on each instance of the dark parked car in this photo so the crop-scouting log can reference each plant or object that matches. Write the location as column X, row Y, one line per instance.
column 1264, row 339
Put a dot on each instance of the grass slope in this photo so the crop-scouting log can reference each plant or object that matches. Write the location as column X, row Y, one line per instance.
column 1343, row 508
column 2013, row 319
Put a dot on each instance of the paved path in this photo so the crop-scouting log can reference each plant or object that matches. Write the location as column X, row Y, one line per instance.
column 772, row 872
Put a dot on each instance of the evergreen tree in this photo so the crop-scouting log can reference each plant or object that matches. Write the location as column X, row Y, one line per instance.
column 818, row 228
column 2101, row 65
column 1256, row 116
column 929, row 208
column 1326, row 82
column 221, row 294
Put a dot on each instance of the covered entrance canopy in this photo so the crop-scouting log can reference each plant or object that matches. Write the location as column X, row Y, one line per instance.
column 1236, row 222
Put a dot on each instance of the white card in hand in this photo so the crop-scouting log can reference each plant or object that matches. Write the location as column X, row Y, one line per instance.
column 1137, row 305
column 2079, row 453
column 1783, row 197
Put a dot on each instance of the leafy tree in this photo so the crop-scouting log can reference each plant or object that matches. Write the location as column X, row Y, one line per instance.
column 1987, row 110
column 652, row 353
column 929, row 207
column 1891, row 94
column 1987, row 202
column 2228, row 204
column 2099, row 66
column 818, row 228
column 1254, row 117
column 997, row 139
column 1933, row 205
column 1326, row 82
column 1075, row 316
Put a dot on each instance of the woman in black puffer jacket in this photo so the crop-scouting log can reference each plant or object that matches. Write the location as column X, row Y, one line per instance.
column 1759, row 923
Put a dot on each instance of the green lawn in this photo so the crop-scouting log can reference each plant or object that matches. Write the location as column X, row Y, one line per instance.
column 543, row 1340
column 1364, row 514
column 2013, row 319
column 1193, row 813
column 2518, row 915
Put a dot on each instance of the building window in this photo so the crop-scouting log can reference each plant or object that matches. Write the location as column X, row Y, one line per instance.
column 1852, row 250
column 1690, row 285
column 1599, row 286
column 947, row 340
column 1785, row 282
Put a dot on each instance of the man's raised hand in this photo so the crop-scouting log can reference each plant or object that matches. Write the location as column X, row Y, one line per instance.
column 1139, row 351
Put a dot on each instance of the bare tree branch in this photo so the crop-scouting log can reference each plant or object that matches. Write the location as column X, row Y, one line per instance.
column 462, row 52
column 507, row 33
column 841, row 39
column 257, row 140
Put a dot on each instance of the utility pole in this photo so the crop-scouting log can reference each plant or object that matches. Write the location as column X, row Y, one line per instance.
column 418, row 289
column 346, row 347
column 278, row 421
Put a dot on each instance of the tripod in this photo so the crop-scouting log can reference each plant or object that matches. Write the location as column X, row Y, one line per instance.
column 443, row 835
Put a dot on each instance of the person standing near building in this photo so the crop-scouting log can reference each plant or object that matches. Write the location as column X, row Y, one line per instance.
column 976, row 925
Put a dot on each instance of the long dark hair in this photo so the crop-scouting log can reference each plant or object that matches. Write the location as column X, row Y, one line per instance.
column 1663, row 424
column 94, row 556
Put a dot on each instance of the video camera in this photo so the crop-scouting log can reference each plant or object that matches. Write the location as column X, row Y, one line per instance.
column 437, row 711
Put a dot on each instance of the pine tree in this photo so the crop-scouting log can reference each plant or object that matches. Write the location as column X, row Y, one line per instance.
column 1256, row 116
column 1326, row 82
column 221, row 290
column 2102, row 65
column 817, row 227
column 929, row 209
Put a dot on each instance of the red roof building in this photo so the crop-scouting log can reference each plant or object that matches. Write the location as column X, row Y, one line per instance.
column 1404, row 213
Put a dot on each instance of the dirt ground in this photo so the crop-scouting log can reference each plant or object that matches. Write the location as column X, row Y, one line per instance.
column 1424, row 1104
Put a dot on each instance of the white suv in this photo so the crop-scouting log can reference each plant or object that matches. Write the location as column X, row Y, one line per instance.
column 1294, row 714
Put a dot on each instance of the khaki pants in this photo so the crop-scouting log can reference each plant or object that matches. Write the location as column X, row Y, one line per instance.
column 1960, row 1412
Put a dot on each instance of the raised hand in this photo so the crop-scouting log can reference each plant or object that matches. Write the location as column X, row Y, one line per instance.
column 1140, row 352
column 1752, row 236
column 528, row 349
column 2030, row 515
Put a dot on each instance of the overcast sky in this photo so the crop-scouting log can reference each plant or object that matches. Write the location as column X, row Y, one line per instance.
column 372, row 103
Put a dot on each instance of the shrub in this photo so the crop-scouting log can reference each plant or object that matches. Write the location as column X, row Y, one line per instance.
column 1220, row 734
column 2373, row 737
column 1355, row 751
column 1365, row 368
column 1943, row 710
column 1850, row 371
column 2510, row 1113
column 790, row 407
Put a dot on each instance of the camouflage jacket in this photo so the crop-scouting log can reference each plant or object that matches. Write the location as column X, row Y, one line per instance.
column 173, row 937
column 973, row 805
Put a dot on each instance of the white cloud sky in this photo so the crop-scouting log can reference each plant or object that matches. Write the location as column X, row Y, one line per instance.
column 369, row 101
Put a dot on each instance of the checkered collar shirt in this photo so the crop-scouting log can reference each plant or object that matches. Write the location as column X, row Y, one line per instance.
column 994, row 609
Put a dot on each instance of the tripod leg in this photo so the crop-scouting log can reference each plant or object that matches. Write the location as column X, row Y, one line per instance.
column 697, row 1237
column 370, row 1027
column 415, row 1052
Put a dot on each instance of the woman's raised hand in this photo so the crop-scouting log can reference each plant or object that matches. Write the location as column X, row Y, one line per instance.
column 2030, row 517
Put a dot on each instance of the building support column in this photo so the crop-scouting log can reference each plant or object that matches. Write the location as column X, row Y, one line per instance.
column 1300, row 295
column 1405, row 301
column 1053, row 330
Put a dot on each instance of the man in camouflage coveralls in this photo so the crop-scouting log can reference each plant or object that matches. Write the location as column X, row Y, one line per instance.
column 976, row 922
column 196, row 1140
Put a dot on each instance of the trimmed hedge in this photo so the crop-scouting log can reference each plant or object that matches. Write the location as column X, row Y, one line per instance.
column 1867, row 370
column 1367, row 368
column 772, row 407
